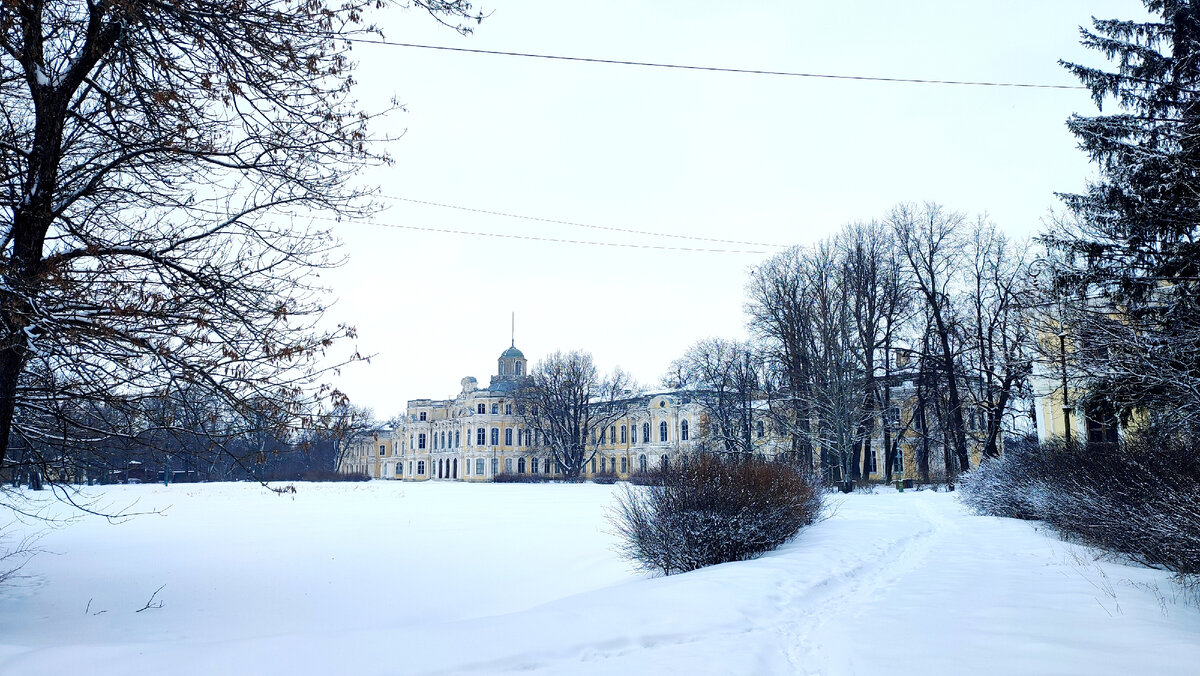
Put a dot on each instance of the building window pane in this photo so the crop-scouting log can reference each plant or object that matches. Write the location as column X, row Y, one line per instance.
column 624, row 436
column 421, row 442
column 683, row 431
column 421, row 467
column 480, row 409
column 508, row 465
column 662, row 431
column 495, row 466
column 495, row 409
column 495, row 436
column 624, row 465
column 508, row 437
column 508, row 409
column 479, row 465
column 521, row 466
column 645, row 433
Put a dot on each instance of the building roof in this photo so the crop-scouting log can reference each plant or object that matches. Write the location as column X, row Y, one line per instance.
column 512, row 352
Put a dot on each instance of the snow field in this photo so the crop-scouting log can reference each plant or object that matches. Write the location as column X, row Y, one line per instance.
column 390, row 578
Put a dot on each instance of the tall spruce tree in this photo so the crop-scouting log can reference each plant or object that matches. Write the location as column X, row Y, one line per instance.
column 1126, row 266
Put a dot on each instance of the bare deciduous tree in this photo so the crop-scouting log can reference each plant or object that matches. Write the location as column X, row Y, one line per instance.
column 159, row 164
column 565, row 400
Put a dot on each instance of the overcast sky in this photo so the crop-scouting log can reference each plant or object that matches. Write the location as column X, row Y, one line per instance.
column 754, row 158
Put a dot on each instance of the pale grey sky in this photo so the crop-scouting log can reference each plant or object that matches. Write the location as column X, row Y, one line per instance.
column 727, row 156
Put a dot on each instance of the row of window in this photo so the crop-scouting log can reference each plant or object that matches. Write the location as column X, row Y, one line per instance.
column 609, row 435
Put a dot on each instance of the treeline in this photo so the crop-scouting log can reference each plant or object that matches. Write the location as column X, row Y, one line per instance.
column 912, row 327
column 177, row 436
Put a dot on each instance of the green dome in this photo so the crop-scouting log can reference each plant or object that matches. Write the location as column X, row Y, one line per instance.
column 512, row 352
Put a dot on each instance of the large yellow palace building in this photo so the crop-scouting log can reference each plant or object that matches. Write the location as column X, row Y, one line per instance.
column 477, row 435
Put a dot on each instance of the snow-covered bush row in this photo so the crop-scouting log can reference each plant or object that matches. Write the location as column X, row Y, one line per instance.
column 713, row 510
column 1141, row 497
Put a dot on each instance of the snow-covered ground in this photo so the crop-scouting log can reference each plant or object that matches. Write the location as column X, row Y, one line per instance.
column 389, row 578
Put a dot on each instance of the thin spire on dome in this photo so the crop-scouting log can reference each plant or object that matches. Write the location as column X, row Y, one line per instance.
column 513, row 342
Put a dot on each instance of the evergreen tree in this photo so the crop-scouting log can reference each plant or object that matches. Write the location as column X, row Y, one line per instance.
column 1125, row 268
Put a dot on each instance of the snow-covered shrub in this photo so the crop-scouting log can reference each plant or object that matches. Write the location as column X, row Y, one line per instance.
column 605, row 477
column 714, row 510
column 505, row 478
column 327, row 475
column 1141, row 497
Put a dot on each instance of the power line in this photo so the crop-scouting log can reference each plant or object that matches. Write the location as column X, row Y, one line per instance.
column 719, row 69
column 580, row 225
column 534, row 238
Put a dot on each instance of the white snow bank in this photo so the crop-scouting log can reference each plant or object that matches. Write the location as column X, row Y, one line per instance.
column 386, row 578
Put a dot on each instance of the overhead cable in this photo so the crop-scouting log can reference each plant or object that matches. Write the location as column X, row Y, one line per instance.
column 580, row 225
column 534, row 238
column 721, row 69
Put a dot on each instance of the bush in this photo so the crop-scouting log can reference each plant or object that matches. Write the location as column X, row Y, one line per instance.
column 715, row 510
column 329, row 475
column 522, row 478
column 648, row 478
column 605, row 477
column 1140, row 498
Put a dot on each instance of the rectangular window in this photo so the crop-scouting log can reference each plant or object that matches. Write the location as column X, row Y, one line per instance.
column 533, row 466
column 382, row 449
column 624, row 465
column 508, row 409
column 421, row 467
column 480, row 437
column 612, row 434
column 495, row 466
column 508, row 437
column 624, row 436
column 422, row 416
column 495, row 436
column 480, row 409
column 421, row 442
column 479, row 465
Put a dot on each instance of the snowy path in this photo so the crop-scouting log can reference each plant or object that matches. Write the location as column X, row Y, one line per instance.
column 892, row 583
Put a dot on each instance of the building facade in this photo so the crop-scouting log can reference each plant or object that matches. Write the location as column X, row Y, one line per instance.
column 478, row 435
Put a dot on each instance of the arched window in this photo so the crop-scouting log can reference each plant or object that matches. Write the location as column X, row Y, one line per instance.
column 612, row 434
column 593, row 464
column 508, row 465
column 481, row 409
column 467, row 467
column 454, row 468
column 495, row 409
column 443, row 439
column 521, row 466
column 457, row 438
column 683, row 431
column 481, row 436
column 624, row 436
column 642, row 465
column 546, row 465
column 508, row 437
column 495, row 436
column 662, row 431
column 533, row 465
column 645, row 433
column 760, row 429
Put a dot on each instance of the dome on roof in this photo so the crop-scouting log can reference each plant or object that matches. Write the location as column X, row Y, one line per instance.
column 512, row 352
